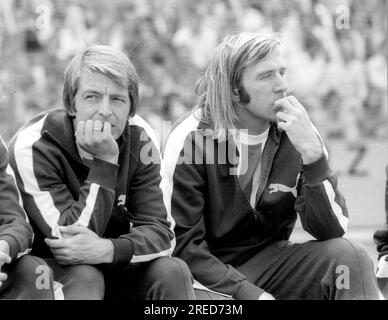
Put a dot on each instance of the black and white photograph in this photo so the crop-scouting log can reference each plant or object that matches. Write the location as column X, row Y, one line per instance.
column 226, row 150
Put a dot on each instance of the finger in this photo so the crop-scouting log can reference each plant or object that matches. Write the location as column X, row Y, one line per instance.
column 97, row 126
column 55, row 243
column 3, row 276
column 64, row 262
column 80, row 130
column 72, row 229
column 57, row 253
column 63, row 259
column 88, row 130
column 283, row 105
column 283, row 117
column 295, row 103
column 107, row 129
column 5, row 258
column 282, row 126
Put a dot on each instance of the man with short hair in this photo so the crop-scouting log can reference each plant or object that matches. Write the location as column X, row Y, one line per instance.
column 92, row 190
column 20, row 273
column 238, row 171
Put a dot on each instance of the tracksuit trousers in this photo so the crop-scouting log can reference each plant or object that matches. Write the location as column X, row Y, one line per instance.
column 160, row 279
column 336, row 269
column 28, row 278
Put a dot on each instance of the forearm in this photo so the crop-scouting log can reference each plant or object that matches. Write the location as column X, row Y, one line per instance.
column 320, row 204
column 212, row 273
column 59, row 207
column 107, row 252
column 314, row 149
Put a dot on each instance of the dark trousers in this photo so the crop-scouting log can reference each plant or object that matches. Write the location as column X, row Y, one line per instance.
column 77, row 282
column 336, row 269
column 28, row 278
column 160, row 279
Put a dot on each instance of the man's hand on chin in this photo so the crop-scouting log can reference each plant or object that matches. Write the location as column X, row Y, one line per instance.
column 292, row 118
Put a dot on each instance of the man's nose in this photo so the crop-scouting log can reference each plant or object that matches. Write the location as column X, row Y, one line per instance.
column 105, row 109
column 281, row 85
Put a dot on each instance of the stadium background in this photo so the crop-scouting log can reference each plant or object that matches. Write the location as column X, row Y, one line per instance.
column 335, row 50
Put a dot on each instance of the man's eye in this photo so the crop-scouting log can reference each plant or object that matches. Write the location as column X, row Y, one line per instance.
column 116, row 99
column 90, row 97
column 267, row 75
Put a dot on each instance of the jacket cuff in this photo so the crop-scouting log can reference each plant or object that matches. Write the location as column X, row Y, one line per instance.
column 102, row 173
column 248, row 291
column 14, row 247
column 317, row 171
column 123, row 250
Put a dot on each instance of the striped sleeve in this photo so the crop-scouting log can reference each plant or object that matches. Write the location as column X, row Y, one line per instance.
column 320, row 204
column 14, row 226
column 151, row 235
column 46, row 197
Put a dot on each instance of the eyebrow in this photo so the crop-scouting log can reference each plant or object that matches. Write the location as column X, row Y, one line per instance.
column 91, row 91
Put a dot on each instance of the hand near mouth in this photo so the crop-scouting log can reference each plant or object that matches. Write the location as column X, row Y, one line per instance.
column 95, row 137
column 292, row 118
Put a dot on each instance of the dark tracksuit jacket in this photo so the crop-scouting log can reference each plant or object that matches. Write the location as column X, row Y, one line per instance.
column 14, row 226
column 121, row 202
column 380, row 238
column 216, row 228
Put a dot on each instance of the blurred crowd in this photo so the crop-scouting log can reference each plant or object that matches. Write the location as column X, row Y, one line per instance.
column 335, row 51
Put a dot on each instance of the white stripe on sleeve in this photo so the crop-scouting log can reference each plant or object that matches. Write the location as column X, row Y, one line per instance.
column 140, row 122
column 382, row 268
column 25, row 165
column 343, row 220
column 86, row 213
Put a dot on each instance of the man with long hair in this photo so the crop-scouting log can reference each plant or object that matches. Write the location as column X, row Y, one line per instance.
column 239, row 169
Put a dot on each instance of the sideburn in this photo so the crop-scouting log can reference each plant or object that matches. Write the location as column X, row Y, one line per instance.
column 243, row 95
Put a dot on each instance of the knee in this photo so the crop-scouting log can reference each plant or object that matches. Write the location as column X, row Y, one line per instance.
column 87, row 274
column 171, row 278
column 171, row 270
column 90, row 278
column 34, row 276
column 28, row 268
column 347, row 252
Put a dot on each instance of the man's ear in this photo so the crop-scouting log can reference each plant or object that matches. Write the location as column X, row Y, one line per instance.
column 237, row 98
column 236, row 95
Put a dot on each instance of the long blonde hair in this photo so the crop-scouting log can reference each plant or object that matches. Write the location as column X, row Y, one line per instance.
column 218, row 85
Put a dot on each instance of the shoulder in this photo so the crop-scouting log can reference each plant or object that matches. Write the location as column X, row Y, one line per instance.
column 183, row 129
column 3, row 154
column 138, row 126
column 31, row 133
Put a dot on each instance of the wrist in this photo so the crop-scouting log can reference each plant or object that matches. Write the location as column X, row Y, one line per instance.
column 108, row 249
column 4, row 247
column 109, row 158
column 310, row 157
column 312, row 154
